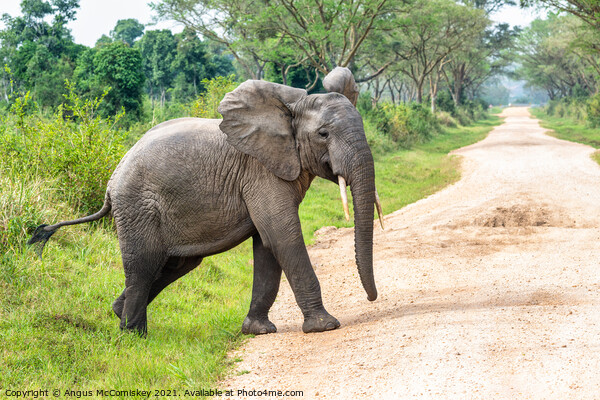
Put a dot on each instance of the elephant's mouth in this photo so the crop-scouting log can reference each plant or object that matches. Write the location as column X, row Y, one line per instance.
column 328, row 168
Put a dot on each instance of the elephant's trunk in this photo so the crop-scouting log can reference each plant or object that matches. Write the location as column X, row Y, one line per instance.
column 362, row 185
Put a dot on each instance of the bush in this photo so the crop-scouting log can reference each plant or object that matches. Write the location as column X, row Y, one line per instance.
column 364, row 104
column 206, row 105
column 446, row 119
column 405, row 124
column 593, row 111
column 570, row 107
column 75, row 148
column 444, row 102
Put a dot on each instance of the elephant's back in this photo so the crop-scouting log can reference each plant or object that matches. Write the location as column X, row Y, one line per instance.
column 170, row 145
column 174, row 159
column 182, row 130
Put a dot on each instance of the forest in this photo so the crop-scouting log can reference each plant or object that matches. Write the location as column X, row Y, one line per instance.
column 429, row 71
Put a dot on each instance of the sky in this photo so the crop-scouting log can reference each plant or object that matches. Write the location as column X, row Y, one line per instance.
column 98, row 17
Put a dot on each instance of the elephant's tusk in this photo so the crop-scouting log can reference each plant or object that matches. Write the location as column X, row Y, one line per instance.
column 379, row 210
column 342, row 183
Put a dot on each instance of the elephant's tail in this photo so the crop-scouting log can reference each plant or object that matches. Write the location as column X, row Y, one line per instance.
column 43, row 232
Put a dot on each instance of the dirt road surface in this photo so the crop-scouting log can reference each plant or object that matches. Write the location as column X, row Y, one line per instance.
column 488, row 289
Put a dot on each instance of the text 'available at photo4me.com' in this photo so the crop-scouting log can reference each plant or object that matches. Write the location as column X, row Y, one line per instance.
column 153, row 393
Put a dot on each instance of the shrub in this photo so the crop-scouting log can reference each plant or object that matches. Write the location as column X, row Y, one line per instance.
column 405, row 124
column 364, row 104
column 444, row 102
column 446, row 119
column 75, row 148
column 463, row 116
column 574, row 108
column 206, row 105
column 593, row 111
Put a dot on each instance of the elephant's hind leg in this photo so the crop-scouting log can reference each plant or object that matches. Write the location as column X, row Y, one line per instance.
column 174, row 269
column 141, row 270
column 267, row 276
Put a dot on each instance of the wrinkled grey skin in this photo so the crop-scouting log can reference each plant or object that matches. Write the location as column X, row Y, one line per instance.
column 191, row 188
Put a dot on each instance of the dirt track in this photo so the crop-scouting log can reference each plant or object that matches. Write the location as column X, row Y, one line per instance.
column 489, row 289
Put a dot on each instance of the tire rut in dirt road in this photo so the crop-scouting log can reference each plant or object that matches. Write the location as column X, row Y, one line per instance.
column 488, row 288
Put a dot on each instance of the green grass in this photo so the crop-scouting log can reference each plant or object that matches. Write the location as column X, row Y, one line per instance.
column 568, row 129
column 57, row 328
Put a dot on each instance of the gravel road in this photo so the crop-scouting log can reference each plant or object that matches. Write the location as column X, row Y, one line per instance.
column 488, row 289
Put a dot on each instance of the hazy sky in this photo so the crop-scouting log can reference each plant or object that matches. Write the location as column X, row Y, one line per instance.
column 97, row 17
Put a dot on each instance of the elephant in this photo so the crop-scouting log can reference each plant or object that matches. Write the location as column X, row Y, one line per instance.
column 191, row 188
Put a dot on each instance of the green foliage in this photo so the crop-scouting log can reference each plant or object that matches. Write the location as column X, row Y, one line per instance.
column 568, row 107
column 119, row 66
column 444, row 102
column 446, row 119
column 158, row 49
column 75, row 148
column 364, row 104
column 560, row 55
column 496, row 93
column 470, row 111
column 593, row 111
column 193, row 63
column 24, row 204
column 127, row 30
column 207, row 103
column 39, row 49
column 405, row 124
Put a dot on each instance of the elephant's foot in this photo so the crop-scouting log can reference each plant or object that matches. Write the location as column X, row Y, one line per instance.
column 253, row 326
column 320, row 322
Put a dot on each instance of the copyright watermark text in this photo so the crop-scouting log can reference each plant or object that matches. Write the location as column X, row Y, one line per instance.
column 156, row 393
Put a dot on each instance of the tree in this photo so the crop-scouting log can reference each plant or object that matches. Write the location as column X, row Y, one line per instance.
column 190, row 66
column 39, row 48
column 479, row 59
column 551, row 59
column 425, row 39
column 117, row 67
column 318, row 34
column 127, row 30
column 586, row 10
column 158, row 49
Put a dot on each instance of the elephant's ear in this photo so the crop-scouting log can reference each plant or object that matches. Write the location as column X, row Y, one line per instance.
column 257, row 121
column 341, row 80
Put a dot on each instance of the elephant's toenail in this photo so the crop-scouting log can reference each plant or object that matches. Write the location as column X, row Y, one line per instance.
column 330, row 326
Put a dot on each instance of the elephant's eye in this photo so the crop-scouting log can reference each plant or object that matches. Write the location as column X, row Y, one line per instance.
column 324, row 134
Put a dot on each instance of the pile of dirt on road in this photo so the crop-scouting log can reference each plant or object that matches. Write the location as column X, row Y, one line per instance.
column 520, row 215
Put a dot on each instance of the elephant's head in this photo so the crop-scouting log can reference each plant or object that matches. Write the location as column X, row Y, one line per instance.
column 288, row 131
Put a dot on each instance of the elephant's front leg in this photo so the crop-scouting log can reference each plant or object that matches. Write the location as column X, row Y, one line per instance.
column 281, row 235
column 267, row 276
